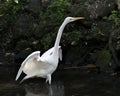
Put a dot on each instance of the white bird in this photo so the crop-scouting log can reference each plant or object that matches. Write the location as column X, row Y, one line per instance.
column 43, row 66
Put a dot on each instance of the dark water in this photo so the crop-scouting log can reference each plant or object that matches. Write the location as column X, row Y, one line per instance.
column 64, row 83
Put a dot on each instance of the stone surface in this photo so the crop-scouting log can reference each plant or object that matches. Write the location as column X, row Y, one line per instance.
column 118, row 4
column 100, row 8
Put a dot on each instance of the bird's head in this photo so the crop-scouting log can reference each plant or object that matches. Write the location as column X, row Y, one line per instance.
column 71, row 19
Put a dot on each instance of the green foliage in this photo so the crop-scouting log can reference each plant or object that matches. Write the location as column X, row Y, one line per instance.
column 8, row 14
column 47, row 41
column 102, row 58
column 58, row 9
column 51, row 19
column 48, row 20
column 71, row 37
column 10, row 9
column 114, row 16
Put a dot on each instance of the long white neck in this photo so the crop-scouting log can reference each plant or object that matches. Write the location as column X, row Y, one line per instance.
column 59, row 37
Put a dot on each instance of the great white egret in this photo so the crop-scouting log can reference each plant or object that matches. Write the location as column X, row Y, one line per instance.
column 43, row 66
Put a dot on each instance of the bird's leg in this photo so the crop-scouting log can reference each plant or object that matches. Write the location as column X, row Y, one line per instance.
column 26, row 77
column 48, row 79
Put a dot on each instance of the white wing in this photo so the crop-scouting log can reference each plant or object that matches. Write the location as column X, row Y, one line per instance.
column 32, row 55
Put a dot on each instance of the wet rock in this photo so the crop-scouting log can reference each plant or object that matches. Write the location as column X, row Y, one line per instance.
column 6, row 58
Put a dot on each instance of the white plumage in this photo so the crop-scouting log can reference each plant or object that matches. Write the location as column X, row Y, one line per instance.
column 43, row 66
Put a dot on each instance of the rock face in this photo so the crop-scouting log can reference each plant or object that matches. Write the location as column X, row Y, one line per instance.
column 6, row 58
column 37, row 23
column 100, row 8
column 118, row 4
column 93, row 8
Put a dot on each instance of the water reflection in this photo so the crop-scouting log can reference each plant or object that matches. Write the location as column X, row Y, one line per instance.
column 64, row 83
column 42, row 89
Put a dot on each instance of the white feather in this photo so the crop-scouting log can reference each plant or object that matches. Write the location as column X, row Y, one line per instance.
column 36, row 53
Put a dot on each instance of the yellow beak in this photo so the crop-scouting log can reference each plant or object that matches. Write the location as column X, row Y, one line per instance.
column 77, row 18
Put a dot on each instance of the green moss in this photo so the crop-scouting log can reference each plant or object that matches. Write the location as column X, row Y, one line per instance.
column 58, row 9
column 102, row 58
column 114, row 16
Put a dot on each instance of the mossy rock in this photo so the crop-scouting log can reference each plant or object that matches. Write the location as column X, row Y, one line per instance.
column 100, row 8
column 102, row 59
